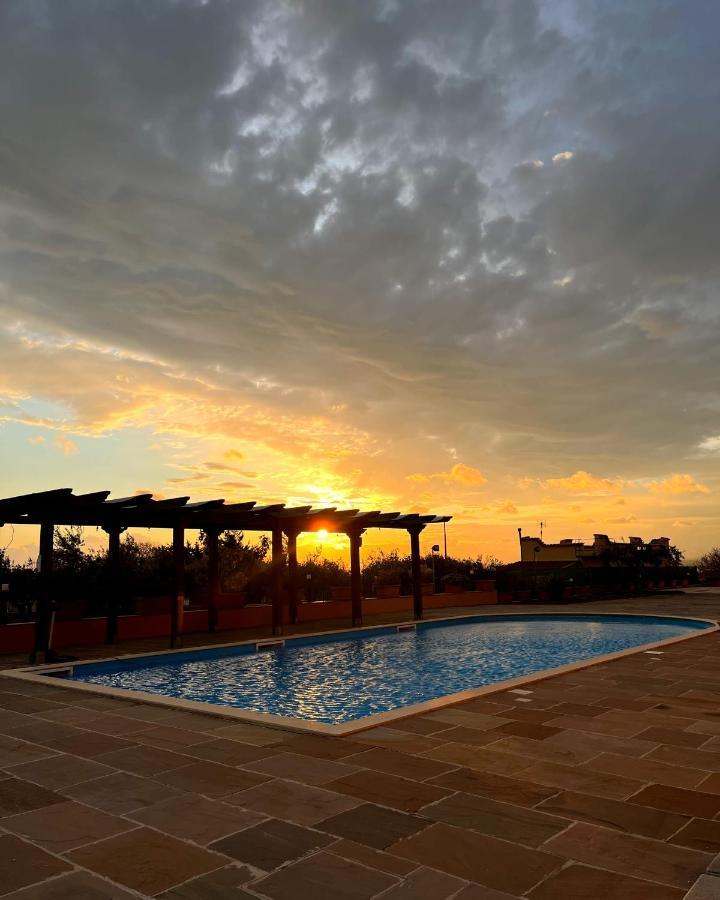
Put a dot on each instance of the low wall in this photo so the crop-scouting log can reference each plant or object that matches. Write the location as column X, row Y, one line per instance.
column 18, row 637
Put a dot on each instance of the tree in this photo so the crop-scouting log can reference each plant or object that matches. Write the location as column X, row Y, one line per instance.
column 709, row 565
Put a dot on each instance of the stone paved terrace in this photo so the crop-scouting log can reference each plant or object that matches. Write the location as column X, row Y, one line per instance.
column 603, row 783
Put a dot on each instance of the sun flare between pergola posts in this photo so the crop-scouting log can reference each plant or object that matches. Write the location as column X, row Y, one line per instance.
column 49, row 509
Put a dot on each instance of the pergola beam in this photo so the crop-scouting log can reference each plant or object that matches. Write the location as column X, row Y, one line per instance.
column 61, row 507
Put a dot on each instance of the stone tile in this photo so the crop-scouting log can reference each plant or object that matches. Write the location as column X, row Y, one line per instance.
column 475, row 757
column 630, row 855
column 689, row 757
column 168, row 738
column 419, row 725
column 579, row 882
column 373, row 826
column 305, row 769
column 317, row 746
column 707, row 887
column 374, row 859
column 293, row 802
column 457, row 715
column 73, row 886
column 571, row 747
column 143, row 760
column 582, row 779
column 706, row 728
column 476, row 892
column 392, row 739
column 249, row 734
column 59, row 772
column 22, row 864
column 108, row 723
column 90, row 744
column 476, row 857
column 618, row 814
column 485, row 784
column 196, row 818
column 711, row 784
column 64, row 826
column 146, row 860
column 595, row 725
column 700, row 834
column 210, row 779
column 417, row 768
column 673, row 736
column 459, row 734
column 222, row 884
column 575, row 709
column 17, row 796
column 14, row 750
column 271, row 844
column 502, row 820
column 531, row 730
column 120, row 793
column 11, row 721
column 229, row 753
column 678, row 800
column 388, row 790
column 38, row 731
column 324, row 875
column 425, row 884
column 23, row 703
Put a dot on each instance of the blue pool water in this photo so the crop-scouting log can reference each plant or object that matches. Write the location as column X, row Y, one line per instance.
column 345, row 677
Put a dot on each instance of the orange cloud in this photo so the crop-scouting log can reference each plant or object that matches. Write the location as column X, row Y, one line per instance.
column 678, row 484
column 584, row 483
column 507, row 508
column 468, row 476
column 64, row 444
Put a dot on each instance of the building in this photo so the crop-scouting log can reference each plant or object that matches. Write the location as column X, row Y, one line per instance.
column 601, row 552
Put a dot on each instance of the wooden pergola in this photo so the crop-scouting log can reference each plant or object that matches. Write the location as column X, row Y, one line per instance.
column 62, row 507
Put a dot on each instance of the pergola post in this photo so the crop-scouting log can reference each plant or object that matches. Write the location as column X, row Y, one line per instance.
column 113, row 533
column 177, row 610
column 43, row 605
column 292, row 537
column 355, row 576
column 213, row 575
column 415, row 572
column 277, row 580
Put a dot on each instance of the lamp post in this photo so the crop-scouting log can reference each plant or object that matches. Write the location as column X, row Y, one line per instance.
column 536, row 550
column 434, row 549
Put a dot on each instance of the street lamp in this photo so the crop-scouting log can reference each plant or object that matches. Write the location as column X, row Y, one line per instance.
column 434, row 549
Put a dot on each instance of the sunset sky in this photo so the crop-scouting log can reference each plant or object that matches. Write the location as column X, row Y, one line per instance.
column 458, row 257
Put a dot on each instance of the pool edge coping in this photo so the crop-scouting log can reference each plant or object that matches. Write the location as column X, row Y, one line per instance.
column 39, row 675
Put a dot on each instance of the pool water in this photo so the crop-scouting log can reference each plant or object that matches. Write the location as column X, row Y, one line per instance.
column 341, row 678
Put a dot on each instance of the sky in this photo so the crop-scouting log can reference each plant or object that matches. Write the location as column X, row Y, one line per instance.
column 457, row 257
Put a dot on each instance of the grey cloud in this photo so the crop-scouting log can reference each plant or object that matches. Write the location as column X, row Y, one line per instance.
column 335, row 198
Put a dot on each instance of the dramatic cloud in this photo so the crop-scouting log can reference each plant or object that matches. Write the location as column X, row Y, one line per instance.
column 585, row 483
column 678, row 484
column 349, row 242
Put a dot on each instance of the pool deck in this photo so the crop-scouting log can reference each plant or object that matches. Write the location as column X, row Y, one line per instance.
column 599, row 783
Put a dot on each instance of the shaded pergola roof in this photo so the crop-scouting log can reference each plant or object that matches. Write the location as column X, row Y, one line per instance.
column 63, row 507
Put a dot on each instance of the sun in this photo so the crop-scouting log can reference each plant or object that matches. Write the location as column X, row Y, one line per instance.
column 322, row 534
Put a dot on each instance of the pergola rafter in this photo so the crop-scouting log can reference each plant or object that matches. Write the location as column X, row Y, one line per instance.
column 62, row 507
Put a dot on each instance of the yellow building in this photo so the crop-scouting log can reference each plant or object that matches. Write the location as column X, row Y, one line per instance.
column 535, row 550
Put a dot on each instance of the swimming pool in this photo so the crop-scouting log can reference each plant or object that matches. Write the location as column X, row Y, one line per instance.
column 342, row 679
